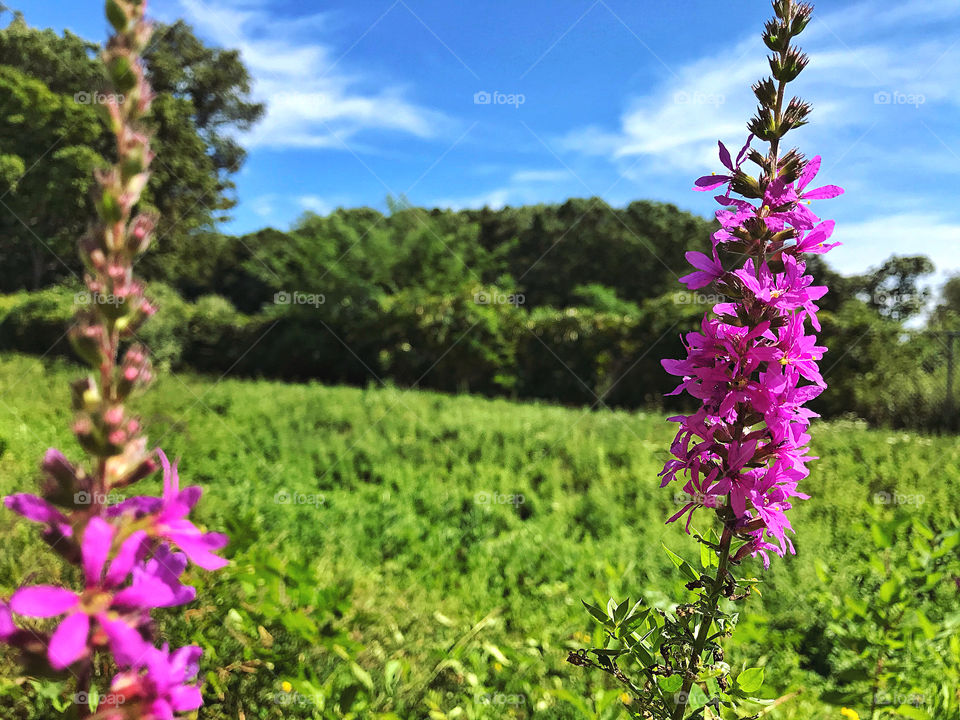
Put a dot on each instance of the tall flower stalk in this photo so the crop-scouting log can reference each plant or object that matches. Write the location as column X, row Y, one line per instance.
column 130, row 551
column 752, row 366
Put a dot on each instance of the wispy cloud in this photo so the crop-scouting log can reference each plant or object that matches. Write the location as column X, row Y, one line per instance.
column 936, row 236
column 313, row 99
column 521, row 177
column 880, row 83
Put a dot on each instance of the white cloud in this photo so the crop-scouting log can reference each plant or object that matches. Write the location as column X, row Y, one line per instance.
column 494, row 199
column 322, row 205
column 264, row 206
column 312, row 99
column 884, row 153
column 540, row 176
column 867, row 243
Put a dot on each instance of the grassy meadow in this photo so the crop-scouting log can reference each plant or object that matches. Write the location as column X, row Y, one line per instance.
column 403, row 554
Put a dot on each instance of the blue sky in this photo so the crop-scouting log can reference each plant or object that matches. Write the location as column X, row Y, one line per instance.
column 615, row 98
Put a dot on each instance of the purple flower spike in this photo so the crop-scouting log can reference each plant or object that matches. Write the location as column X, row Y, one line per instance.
column 753, row 366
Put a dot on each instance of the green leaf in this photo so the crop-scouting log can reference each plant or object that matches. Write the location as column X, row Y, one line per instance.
column 685, row 567
column 596, row 612
column 750, row 680
column 643, row 656
column 698, row 698
column 391, row 675
column 671, row 683
column 363, row 676
column 117, row 17
column 706, row 556
column 886, row 591
column 880, row 538
column 912, row 712
column 621, row 611
column 634, row 619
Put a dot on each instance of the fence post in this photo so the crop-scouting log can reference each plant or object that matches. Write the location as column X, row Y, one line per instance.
column 948, row 405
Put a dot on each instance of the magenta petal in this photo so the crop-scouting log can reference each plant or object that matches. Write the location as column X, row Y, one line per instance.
column 97, row 540
column 171, row 480
column 7, row 627
column 710, row 182
column 725, row 156
column 126, row 644
column 69, row 641
column 161, row 710
column 147, row 592
column 34, row 508
column 824, row 193
column 186, row 697
column 123, row 562
column 809, row 172
column 43, row 601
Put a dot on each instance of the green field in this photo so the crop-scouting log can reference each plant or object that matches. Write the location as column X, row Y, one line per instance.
column 402, row 554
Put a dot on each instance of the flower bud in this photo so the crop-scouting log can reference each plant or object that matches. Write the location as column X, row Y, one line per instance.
column 138, row 239
column 801, row 17
column 789, row 66
column 766, row 92
column 118, row 16
column 776, row 36
column 85, row 394
column 109, row 206
column 124, row 75
column 795, row 115
column 87, row 342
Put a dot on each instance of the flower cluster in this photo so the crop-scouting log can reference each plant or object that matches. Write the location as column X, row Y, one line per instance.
column 753, row 365
column 131, row 552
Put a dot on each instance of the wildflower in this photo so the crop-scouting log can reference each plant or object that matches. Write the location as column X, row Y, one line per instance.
column 158, row 686
column 102, row 594
column 753, row 364
column 168, row 515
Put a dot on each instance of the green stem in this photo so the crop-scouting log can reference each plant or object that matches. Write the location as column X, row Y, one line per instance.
column 778, row 110
column 713, row 600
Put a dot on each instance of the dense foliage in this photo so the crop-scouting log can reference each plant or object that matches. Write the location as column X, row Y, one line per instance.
column 51, row 87
column 415, row 554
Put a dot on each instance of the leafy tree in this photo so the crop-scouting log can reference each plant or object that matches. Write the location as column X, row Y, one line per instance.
column 203, row 99
column 894, row 289
column 47, row 157
column 217, row 85
column 946, row 315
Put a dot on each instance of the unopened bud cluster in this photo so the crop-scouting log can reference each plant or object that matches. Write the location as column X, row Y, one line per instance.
column 111, row 247
column 133, row 551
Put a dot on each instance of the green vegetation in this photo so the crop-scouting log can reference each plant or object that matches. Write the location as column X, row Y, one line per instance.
column 411, row 555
